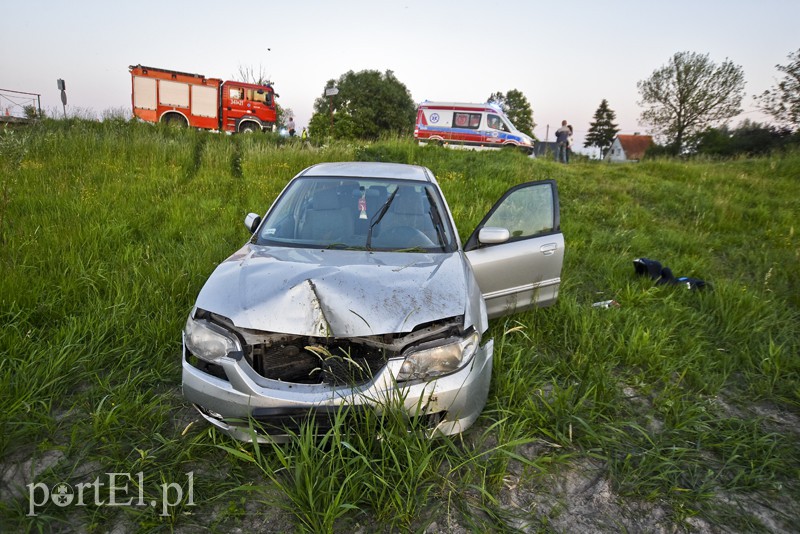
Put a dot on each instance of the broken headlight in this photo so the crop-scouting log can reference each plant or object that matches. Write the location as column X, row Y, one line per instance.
column 425, row 361
column 209, row 341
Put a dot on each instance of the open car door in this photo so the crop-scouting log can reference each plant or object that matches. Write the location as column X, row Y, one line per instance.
column 517, row 250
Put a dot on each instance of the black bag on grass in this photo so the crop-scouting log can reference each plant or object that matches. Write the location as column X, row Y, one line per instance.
column 663, row 275
column 647, row 267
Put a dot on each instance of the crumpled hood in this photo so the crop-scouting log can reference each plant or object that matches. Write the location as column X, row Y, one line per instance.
column 339, row 293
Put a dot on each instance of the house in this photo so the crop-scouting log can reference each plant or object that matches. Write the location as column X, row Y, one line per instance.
column 628, row 147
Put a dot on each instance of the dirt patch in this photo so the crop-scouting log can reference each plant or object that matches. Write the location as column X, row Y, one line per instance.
column 19, row 471
column 579, row 498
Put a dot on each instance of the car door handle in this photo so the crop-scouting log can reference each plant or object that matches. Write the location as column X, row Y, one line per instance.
column 548, row 249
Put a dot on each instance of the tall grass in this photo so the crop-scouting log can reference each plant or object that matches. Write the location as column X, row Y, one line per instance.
column 687, row 399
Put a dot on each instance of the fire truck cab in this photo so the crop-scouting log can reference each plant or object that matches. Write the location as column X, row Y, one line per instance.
column 184, row 99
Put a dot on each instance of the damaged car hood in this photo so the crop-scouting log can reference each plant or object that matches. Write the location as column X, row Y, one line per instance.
column 338, row 293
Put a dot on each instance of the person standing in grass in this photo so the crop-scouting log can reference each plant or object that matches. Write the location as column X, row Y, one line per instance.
column 562, row 142
column 290, row 126
column 570, row 141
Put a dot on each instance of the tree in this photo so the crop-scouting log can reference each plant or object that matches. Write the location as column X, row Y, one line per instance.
column 517, row 108
column 250, row 75
column 260, row 77
column 688, row 95
column 603, row 130
column 749, row 138
column 31, row 112
column 783, row 101
column 367, row 105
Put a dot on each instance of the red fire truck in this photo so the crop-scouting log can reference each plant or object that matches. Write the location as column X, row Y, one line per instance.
column 184, row 99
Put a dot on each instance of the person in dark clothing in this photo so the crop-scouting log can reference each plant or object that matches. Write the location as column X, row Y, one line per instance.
column 562, row 142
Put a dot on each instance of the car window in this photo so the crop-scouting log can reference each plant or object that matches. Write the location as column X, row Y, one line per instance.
column 373, row 214
column 528, row 210
column 525, row 212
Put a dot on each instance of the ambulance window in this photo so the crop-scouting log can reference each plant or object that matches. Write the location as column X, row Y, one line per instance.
column 496, row 123
column 466, row 120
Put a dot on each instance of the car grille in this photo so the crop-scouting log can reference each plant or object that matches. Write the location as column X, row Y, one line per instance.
column 281, row 420
column 278, row 421
column 303, row 361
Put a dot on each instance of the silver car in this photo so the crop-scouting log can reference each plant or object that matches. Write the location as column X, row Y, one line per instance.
column 354, row 289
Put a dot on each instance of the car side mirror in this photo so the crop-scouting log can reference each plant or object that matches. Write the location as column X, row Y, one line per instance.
column 252, row 221
column 490, row 235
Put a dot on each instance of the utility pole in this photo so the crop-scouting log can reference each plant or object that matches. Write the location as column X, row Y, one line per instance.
column 546, row 138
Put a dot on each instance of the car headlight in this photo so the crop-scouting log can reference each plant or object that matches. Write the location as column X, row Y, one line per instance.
column 208, row 341
column 426, row 362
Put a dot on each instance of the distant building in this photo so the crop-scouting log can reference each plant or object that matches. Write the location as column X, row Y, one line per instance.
column 629, row 147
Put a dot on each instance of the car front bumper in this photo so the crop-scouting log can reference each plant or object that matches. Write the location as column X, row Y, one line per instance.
column 451, row 403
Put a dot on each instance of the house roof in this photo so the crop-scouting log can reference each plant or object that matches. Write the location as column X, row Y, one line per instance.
column 635, row 145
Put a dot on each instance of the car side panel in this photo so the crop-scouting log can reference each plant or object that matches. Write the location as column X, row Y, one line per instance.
column 519, row 275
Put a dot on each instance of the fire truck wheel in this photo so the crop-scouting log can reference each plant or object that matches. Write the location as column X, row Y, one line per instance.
column 174, row 120
column 248, row 127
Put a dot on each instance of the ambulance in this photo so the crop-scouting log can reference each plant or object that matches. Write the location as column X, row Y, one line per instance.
column 474, row 126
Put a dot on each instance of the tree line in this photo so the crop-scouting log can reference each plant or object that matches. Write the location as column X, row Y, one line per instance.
column 686, row 103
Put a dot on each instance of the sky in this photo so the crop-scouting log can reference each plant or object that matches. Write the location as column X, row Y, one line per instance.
column 565, row 57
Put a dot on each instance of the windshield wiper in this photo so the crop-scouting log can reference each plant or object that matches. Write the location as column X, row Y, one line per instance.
column 438, row 225
column 378, row 216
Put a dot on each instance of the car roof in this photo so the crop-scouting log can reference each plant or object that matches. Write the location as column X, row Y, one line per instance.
column 370, row 169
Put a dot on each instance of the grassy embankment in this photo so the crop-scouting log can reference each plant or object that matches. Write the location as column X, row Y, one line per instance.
column 685, row 400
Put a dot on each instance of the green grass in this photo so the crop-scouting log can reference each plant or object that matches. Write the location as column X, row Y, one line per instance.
column 684, row 400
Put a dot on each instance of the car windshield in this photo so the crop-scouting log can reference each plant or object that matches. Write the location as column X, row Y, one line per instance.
column 359, row 213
